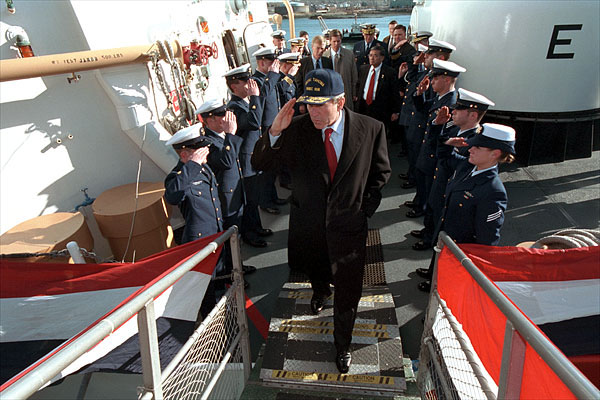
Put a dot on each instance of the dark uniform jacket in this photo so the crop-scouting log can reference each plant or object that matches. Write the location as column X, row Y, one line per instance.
column 427, row 158
column 249, row 118
column 193, row 187
column 405, row 54
column 474, row 205
column 223, row 159
column 361, row 52
column 386, row 98
column 306, row 65
column 268, row 95
column 286, row 87
column 328, row 220
column 412, row 78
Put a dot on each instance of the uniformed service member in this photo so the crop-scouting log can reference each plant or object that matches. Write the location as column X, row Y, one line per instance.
column 267, row 77
column 192, row 186
column 441, row 51
column 246, row 104
column 361, row 49
column 443, row 78
column 467, row 112
column 296, row 45
column 288, row 68
column 220, row 128
column 279, row 42
column 476, row 199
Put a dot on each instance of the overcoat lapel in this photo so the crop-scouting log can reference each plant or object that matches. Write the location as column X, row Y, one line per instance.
column 352, row 143
column 471, row 182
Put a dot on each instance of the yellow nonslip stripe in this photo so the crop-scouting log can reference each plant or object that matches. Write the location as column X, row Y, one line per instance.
column 377, row 298
column 329, row 331
column 296, row 322
column 314, row 376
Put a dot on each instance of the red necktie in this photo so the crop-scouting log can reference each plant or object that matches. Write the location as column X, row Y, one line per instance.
column 371, row 87
column 330, row 152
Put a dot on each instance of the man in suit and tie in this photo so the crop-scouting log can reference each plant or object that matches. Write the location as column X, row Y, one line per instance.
column 376, row 88
column 339, row 164
column 362, row 48
column 307, row 64
column 343, row 63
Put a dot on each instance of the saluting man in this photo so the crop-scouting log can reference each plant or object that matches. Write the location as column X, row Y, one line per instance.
column 467, row 112
column 247, row 107
column 339, row 163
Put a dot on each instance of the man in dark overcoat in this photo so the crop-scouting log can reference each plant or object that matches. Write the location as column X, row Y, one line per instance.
column 339, row 163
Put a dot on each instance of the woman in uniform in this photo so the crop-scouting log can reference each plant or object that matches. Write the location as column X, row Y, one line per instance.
column 475, row 199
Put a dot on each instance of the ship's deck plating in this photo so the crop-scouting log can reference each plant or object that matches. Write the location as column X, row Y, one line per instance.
column 300, row 351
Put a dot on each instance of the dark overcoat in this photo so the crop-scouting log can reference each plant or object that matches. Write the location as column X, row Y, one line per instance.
column 328, row 220
column 269, row 96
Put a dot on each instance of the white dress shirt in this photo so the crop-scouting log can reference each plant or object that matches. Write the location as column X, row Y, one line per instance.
column 337, row 136
column 372, row 71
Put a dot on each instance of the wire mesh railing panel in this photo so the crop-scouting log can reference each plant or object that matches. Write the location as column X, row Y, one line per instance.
column 446, row 373
column 213, row 339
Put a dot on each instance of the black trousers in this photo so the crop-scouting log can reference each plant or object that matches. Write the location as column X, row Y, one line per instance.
column 251, row 217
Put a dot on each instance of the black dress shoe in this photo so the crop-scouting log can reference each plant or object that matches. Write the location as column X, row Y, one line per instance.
column 342, row 361
column 424, row 286
column 421, row 245
column 418, row 233
column 410, row 203
column 255, row 242
column 403, row 176
column 287, row 186
column 316, row 303
column 248, row 269
column 408, row 185
column 271, row 210
column 424, row 273
column 264, row 232
column 415, row 213
column 280, row 202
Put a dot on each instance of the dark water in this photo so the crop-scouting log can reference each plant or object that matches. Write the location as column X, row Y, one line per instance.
column 313, row 28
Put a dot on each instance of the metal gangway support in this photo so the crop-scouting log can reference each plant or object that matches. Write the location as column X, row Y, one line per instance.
column 450, row 368
column 215, row 361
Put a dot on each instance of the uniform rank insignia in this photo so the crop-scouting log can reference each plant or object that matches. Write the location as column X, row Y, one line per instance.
column 494, row 216
column 196, row 183
column 449, row 124
column 468, row 195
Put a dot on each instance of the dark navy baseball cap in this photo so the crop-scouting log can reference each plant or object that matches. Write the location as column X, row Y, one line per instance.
column 321, row 85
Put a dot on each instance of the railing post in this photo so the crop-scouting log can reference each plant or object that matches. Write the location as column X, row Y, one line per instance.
column 236, row 257
column 149, row 350
column 513, row 360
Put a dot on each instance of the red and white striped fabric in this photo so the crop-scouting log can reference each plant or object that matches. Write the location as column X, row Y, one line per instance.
column 556, row 289
column 43, row 305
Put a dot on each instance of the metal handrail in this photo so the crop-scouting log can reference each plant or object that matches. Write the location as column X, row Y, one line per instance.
column 557, row 361
column 42, row 374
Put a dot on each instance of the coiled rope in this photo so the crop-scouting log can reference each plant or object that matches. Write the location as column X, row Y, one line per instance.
column 569, row 239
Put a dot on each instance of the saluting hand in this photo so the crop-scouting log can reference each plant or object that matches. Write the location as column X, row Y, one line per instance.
column 420, row 58
column 443, row 116
column 294, row 70
column 456, row 142
column 274, row 67
column 423, row 86
column 230, row 123
column 283, row 118
column 253, row 89
column 402, row 70
column 400, row 44
column 200, row 155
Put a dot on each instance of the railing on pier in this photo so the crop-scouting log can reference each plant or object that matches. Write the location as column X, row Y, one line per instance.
column 215, row 361
column 450, row 368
